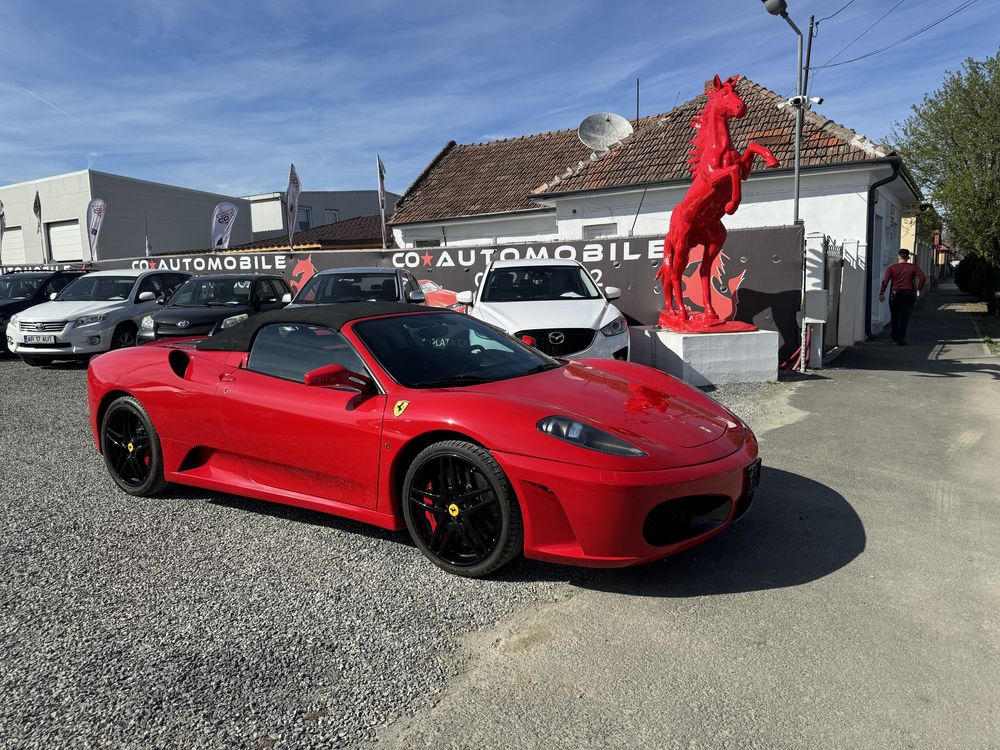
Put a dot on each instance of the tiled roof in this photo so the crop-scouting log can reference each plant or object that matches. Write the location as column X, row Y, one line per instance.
column 504, row 176
column 361, row 231
column 358, row 233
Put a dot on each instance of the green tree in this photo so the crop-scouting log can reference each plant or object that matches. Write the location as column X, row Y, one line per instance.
column 951, row 144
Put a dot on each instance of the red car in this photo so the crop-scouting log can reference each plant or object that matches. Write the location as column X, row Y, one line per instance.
column 400, row 415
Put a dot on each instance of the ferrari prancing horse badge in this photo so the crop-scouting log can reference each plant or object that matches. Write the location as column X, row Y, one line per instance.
column 400, row 407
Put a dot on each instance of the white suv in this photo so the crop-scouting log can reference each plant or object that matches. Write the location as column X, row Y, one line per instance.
column 94, row 313
column 553, row 305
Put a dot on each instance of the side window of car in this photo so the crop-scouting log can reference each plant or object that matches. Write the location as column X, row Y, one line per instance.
column 290, row 350
column 54, row 286
column 152, row 283
column 282, row 288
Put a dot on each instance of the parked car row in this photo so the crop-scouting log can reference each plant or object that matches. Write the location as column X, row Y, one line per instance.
column 552, row 305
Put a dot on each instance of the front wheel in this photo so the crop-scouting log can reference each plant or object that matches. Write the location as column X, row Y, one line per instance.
column 34, row 360
column 123, row 337
column 461, row 510
column 131, row 448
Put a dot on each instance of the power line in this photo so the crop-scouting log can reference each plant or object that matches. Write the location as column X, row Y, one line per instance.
column 902, row 39
column 849, row 45
column 844, row 7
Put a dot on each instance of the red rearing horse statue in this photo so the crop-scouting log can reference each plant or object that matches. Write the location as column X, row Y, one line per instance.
column 717, row 169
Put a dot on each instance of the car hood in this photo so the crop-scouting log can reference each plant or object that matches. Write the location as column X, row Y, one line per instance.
column 68, row 310
column 198, row 315
column 10, row 306
column 674, row 424
column 569, row 313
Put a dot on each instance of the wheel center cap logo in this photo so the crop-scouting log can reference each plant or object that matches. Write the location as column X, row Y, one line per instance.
column 130, row 447
column 557, row 337
column 453, row 510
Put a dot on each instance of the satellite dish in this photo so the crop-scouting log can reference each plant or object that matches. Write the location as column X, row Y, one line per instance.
column 601, row 131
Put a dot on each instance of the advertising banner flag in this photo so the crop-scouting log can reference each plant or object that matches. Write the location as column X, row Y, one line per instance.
column 223, row 218
column 292, row 203
column 3, row 226
column 37, row 209
column 149, row 248
column 381, row 194
column 95, row 217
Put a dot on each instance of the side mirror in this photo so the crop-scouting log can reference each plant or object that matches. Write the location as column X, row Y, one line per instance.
column 286, row 298
column 416, row 296
column 612, row 292
column 338, row 376
column 53, row 295
column 146, row 297
column 464, row 298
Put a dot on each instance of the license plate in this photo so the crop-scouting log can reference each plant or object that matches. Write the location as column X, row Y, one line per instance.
column 753, row 476
column 31, row 339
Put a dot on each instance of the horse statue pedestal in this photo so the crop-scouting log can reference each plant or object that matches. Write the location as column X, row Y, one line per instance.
column 722, row 357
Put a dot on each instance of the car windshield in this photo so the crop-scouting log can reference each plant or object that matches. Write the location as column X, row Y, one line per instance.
column 213, row 292
column 326, row 288
column 536, row 283
column 441, row 350
column 98, row 288
column 18, row 287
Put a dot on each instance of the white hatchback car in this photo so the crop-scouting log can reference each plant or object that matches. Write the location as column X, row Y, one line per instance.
column 94, row 313
column 553, row 305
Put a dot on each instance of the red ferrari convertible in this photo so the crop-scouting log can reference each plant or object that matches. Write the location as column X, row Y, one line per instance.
column 399, row 415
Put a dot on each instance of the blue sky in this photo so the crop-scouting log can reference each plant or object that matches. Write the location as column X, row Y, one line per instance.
column 223, row 96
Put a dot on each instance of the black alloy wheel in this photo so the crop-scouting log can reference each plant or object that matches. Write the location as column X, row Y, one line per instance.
column 123, row 337
column 131, row 448
column 460, row 509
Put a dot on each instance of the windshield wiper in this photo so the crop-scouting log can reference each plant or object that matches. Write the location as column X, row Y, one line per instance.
column 544, row 367
column 454, row 380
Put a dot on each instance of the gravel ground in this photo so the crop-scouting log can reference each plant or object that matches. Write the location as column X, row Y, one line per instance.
column 197, row 619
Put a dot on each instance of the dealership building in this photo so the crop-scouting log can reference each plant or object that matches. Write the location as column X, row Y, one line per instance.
column 176, row 218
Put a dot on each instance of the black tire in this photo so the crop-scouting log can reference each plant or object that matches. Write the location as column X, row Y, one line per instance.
column 472, row 532
column 131, row 448
column 34, row 360
column 124, row 336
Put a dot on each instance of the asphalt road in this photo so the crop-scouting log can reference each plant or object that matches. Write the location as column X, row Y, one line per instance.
column 857, row 606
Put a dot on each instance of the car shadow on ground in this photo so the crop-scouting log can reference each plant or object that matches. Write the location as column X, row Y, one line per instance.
column 797, row 531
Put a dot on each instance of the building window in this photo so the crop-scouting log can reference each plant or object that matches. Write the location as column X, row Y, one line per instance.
column 593, row 231
column 427, row 243
column 332, row 216
column 304, row 217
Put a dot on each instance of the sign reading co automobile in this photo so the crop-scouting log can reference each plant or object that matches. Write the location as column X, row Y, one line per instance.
column 758, row 277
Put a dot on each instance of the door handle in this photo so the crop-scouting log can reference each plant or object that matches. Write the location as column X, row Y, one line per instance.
column 227, row 377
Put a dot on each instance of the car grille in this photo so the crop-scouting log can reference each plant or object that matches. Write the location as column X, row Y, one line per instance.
column 566, row 340
column 43, row 327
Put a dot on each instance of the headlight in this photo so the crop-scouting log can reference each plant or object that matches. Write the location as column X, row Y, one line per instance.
column 587, row 436
column 14, row 319
column 231, row 321
column 615, row 327
column 147, row 324
column 87, row 320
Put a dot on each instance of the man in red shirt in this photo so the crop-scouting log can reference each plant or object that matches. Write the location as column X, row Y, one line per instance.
column 907, row 281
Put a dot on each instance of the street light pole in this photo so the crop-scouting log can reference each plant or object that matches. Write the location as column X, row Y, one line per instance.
column 799, row 105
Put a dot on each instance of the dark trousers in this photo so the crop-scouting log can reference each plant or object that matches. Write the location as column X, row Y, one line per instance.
column 900, row 306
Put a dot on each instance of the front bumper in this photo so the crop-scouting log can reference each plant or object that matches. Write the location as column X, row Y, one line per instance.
column 583, row 516
column 67, row 342
column 605, row 347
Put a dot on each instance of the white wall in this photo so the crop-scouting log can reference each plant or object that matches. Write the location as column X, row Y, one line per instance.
column 268, row 210
column 63, row 197
column 179, row 218
column 524, row 227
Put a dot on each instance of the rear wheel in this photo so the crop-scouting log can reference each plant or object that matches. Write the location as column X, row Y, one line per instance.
column 461, row 510
column 131, row 448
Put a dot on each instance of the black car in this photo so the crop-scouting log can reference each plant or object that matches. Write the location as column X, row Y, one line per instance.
column 203, row 302
column 20, row 290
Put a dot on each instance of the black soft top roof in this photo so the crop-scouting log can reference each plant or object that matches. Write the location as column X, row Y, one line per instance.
column 240, row 337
